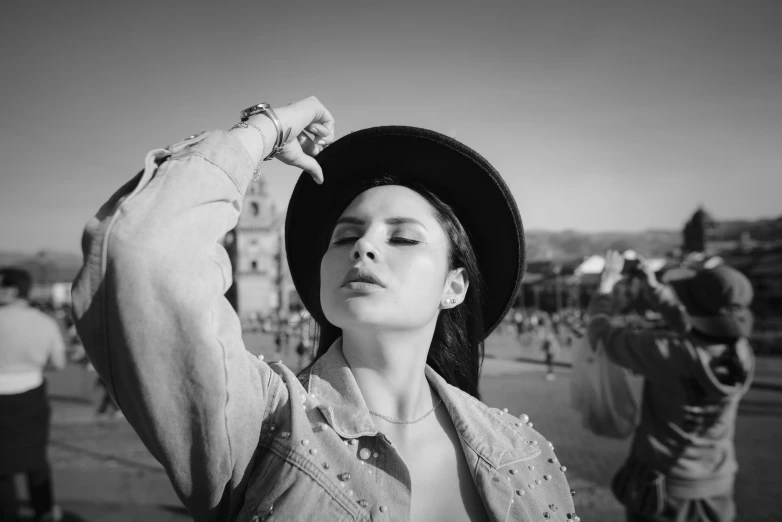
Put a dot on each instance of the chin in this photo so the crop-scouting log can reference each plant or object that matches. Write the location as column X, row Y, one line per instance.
column 354, row 312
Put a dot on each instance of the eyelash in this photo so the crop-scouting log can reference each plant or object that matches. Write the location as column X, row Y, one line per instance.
column 399, row 240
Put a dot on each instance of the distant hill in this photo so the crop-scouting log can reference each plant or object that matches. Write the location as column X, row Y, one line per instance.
column 46, row 266
column 570, row 244
column 759, row 230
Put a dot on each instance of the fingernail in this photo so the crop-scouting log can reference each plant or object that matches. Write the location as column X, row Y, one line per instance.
column 313, row 130
column 321, row 142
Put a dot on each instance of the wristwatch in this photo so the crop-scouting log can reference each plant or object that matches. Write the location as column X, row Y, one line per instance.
column 265, row 108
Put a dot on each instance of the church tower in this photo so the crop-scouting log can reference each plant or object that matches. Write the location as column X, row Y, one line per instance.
column 257, row 247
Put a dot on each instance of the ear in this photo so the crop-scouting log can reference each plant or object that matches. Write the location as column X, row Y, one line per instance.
column 455, row 289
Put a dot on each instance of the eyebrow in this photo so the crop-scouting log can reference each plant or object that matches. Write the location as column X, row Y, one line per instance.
column 347, row 220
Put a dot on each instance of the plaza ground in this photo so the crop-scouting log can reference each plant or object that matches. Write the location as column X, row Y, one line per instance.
column 103, row 472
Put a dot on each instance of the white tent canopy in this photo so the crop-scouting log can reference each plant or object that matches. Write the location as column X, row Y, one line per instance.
column 595, row 264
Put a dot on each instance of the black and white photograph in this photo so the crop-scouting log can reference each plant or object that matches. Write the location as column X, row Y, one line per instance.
column 431, row 261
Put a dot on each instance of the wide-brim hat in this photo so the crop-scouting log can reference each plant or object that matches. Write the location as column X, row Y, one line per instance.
column 455, row 173
column 717, row 299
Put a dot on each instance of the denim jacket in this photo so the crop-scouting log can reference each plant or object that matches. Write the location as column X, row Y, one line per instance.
column 241, row 439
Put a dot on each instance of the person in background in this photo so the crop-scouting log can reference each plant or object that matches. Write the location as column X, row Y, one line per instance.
column 550, row 347
column 30, row 341
column 518, row 320
column 682, row 462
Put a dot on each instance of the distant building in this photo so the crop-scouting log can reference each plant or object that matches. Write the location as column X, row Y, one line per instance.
column 697, row 232
column 262, row 282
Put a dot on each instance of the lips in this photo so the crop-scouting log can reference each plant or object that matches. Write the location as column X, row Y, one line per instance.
column 361, row 275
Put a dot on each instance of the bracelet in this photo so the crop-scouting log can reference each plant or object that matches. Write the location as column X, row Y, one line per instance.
column 265, row 108
column 244, row 125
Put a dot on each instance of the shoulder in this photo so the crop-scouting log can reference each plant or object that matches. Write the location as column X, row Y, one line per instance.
column 39, row 319
column 539, row 482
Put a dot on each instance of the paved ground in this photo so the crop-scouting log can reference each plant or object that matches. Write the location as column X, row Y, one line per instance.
column 103, row 472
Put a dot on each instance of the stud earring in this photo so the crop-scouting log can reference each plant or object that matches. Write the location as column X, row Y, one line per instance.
column 453, row 301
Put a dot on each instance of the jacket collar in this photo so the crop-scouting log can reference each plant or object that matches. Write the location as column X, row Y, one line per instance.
column 484, row 430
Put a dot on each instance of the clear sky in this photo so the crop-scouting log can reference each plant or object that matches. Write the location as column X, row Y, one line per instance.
column 600, row 115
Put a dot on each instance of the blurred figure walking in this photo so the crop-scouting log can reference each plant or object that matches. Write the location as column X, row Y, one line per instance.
column 550, row 347
column 29, row 342
column 682, row 464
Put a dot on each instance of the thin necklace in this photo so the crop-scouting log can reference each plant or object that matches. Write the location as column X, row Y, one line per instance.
column 398, row 421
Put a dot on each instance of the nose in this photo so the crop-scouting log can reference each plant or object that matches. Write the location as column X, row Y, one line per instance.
column 363, row 248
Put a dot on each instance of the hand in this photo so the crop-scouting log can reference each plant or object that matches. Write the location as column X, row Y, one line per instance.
column 298, row 119
column 612, row 273
column 649, row 276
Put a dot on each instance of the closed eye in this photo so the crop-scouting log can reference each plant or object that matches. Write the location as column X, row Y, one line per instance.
column 393, row 240
column 403, row 241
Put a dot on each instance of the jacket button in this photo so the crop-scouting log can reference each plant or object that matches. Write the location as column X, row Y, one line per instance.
column 383, row 509
column 362, row 503
column 344, row 477
column 364, row 454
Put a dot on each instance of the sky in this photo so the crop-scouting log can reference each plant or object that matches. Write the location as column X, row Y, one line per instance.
column 599, row 115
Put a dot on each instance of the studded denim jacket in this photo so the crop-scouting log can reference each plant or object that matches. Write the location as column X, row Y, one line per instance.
column 241, row 439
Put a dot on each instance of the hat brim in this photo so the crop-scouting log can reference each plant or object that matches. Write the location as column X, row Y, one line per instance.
column 456, row 174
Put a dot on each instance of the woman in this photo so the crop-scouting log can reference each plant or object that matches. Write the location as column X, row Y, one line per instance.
column 385, row 424
column 682, row 463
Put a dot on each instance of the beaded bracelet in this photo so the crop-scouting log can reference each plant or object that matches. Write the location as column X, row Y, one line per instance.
column 244, row 125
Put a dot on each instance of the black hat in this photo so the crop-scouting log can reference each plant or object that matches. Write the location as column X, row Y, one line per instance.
column 716, row 299
column 456, row 174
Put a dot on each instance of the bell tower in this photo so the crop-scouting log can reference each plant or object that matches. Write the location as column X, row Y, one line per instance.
column 257, row 245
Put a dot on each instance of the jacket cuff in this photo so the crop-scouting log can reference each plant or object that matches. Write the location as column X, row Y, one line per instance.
column 222, row 149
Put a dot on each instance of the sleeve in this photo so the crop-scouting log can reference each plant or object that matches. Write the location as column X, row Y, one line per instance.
column 663, row 299
column 150, row 309
column 648, row 353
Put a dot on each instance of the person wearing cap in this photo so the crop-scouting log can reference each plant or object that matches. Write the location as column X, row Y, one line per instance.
column 682, row 463
column 407, row 249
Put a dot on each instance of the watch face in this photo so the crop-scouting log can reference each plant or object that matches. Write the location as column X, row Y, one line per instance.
column 252, row 111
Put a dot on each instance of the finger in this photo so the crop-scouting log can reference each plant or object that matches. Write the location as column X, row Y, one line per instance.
column 318, row 129
column 309, row 146
column 322, row 114
column 300, row 160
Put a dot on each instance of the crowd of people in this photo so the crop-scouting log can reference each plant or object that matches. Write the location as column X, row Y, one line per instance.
column 379, row 239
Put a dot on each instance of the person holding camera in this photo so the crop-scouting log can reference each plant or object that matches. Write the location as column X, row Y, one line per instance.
column 682, row 463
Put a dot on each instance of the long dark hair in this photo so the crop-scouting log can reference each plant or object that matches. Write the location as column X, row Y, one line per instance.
column 456, row 352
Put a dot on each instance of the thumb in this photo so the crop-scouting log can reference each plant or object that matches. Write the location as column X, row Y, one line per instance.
column 309, row 165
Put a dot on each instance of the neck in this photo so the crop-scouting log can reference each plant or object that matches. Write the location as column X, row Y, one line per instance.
column 389, row 368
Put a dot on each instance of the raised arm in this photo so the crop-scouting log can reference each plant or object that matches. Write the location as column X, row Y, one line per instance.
column 150, row 309
column 647, row 353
